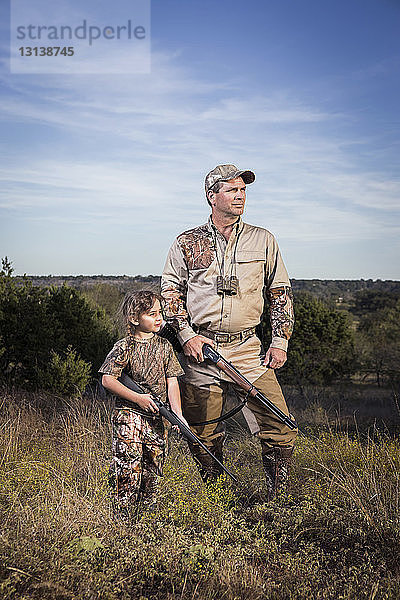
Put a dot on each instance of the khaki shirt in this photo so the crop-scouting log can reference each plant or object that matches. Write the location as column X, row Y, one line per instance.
column 189, row 282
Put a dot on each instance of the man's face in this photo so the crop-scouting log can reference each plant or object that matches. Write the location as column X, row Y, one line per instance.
column 229, row 201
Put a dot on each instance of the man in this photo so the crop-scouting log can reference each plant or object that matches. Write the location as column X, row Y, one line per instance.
column 213, row 284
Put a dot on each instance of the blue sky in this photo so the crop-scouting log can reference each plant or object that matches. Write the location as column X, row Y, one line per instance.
column 100, row 172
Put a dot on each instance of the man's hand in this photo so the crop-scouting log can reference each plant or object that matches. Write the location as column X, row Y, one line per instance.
column 194, row 347
column 275, row 358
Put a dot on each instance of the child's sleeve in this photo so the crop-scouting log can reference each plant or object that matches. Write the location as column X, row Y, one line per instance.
column 172, row 366
column 116, row 360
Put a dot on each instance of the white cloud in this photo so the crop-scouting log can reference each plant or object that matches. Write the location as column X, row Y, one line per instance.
column 278, row 110
column 136, row 149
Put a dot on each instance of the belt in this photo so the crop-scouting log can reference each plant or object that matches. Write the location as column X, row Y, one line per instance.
column 225, row 338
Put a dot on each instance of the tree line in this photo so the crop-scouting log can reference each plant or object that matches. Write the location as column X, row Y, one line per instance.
column 56, row 337
column 339, row 290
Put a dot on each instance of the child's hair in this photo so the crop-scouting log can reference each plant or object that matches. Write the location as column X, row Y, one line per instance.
column 135, row 304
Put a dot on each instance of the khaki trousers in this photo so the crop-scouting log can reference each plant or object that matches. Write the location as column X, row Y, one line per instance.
column 208, row 402
column 205, row 390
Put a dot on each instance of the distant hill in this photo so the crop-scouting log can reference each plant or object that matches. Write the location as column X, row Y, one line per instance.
column 122, row 282
column 338, row 290
column 343, row 290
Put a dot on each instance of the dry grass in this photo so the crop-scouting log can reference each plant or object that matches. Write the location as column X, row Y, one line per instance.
column 334, row 535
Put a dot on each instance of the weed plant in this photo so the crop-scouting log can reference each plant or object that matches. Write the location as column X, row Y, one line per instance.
column 333, row 535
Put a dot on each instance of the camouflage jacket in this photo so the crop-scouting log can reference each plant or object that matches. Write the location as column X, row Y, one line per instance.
column 189, row 282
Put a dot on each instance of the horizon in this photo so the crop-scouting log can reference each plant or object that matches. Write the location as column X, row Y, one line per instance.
column 144, row 276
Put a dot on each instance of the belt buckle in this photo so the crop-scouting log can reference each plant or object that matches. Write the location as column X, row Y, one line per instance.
column 223, row 338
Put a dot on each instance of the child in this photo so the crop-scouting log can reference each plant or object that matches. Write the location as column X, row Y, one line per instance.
column 139, row 440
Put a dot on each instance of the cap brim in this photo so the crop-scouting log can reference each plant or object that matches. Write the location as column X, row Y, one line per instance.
column 247, row 176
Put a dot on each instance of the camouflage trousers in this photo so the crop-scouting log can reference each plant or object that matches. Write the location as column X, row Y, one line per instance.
column 139, row 448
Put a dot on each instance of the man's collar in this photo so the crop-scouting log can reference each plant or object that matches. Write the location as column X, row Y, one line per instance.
column 237, row 225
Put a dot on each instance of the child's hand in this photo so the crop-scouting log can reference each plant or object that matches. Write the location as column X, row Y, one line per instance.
column 146, row 401
column 181, row 418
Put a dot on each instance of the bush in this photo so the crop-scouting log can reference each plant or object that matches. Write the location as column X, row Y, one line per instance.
column 321, row 349
column 36, row 324
column 67, row 373
column 380, row 335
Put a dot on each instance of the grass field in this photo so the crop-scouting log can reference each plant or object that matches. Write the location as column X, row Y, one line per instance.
column 334, row 535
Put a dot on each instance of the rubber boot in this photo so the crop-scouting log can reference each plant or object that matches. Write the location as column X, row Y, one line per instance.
column 276, row 463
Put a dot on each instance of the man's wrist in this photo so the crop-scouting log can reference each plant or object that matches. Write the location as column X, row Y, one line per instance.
column 186, row 334
column 280, row 343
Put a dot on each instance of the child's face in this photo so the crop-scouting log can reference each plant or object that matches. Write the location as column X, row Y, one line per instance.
column 150, row 321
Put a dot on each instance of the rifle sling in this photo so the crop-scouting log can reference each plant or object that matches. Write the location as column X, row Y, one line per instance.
column 223, row 417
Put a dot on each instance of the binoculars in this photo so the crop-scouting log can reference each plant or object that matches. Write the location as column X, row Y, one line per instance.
column 227, row 285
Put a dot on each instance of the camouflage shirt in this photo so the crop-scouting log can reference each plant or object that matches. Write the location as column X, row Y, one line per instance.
column 148, row 362
column 189, row 282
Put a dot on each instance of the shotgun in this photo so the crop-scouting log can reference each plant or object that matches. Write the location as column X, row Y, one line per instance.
column 173, row 419
column 237, row 377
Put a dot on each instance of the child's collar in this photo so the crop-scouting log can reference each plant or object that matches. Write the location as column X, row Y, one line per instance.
column 143, row 339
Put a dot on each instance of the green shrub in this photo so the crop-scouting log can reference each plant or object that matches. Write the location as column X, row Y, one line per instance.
column 379, row 341
column 67, row 374
column 38, row 323
column 321, row 349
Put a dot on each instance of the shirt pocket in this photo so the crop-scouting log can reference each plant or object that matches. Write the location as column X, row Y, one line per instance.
column 250, row 267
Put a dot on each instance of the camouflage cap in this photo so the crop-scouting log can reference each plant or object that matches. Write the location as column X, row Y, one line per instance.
column 225, row 173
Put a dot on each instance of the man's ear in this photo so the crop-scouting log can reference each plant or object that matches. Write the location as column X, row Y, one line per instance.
column 210, row 196
column 135, row 323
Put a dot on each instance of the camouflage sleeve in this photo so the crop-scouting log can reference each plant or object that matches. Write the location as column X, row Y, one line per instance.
column 174, row 290
column 116, row 360
column 282, row 315
column 172, row 366
column 279, row 293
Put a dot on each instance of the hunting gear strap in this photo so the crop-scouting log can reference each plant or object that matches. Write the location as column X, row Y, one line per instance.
column 169, row 333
